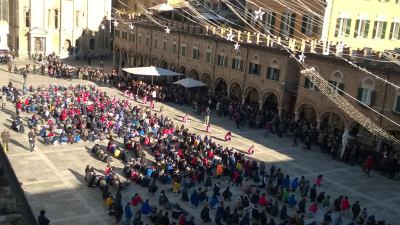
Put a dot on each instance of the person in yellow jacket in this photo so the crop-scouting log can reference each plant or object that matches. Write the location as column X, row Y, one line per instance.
column 219, row 170
column 176, row 186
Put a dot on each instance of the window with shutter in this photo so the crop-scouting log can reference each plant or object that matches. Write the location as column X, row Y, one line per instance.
column 304, row 24
column 397, row 107
column 337, row 29
column 292, row 24
column 270, row 22
column 357, row 29
column 359, row 94
column 341, row 88
column 395, row 31
column 383, row 33
column 348, row 26
column 208, row 57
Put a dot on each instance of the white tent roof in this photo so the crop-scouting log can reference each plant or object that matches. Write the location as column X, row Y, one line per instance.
column 162, row 7
column 151, row 71
column 190, row 83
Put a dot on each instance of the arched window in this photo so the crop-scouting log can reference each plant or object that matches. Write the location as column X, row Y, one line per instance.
column 222, row 60
column 196, row 52
column 237, row 62
column 309, row 84
column 273, row 70
column 254, row 66
column 165, row 44
column 336, row 82
column 366, row 93
column 208, row 54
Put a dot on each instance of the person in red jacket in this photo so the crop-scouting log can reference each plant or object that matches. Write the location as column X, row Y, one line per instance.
column 345, row 204
column 368, row 165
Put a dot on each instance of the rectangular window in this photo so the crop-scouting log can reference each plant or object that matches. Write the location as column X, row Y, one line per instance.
column 307, row 26
column 272, row 73
column 140, row 39
column 155, row 43
column 147, row 41
column 397, row 106
column 395, row 31
column 361, row 29
column 174, row 47
column 343, row 26
column 208, row 57
column 222, row 61
column 379, row 30
column 183, row 51
column 27, row 18
column 116, row 33
column 270, row 22
column 237, row 64
column 287, row 24
column 254, row 69
column 56, row 18
column 165, row 45
column 196, row 53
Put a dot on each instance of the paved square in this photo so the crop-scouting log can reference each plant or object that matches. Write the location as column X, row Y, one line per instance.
column 52, row 176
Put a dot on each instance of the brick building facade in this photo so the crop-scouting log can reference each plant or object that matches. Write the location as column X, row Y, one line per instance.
column 264, row 75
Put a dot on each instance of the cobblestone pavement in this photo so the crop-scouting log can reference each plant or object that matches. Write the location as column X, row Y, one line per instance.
column 52, row 176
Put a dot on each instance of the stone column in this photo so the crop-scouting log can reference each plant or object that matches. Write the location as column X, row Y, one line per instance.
column 345, row 140
column 280, row 111
column 296, row 116
column 318, row 123
column 260, row 105
column 243, row 99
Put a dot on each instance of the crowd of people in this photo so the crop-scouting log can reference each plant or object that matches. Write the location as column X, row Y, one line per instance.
column 195, row 167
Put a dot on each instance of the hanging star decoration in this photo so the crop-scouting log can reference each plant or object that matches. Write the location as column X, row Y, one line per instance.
column 131, row 26
column 115, row 23
column 258, row 14
column 230, row 36
column 236, row 46
column 102, row 26
column 167, row 30
column 302, row 57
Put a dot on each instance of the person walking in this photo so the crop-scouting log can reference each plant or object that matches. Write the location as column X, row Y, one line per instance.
column 5, row 138
column 207, row 118
column 42, row 219
column 32, row 137
column 128, row 213
column 3, row 101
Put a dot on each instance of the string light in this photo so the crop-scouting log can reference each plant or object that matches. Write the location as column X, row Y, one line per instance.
column 230, row 36
column 323, row 84
column 258, row 14
column 236, row 46
column 332, row 93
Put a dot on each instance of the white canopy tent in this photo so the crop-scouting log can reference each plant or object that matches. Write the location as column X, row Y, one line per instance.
column 151, row 71
column 162, row 7
column 190, row 83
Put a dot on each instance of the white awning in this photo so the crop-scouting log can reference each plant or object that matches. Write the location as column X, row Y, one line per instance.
column 151, row 71
column 190, row 83
column 162, row 7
